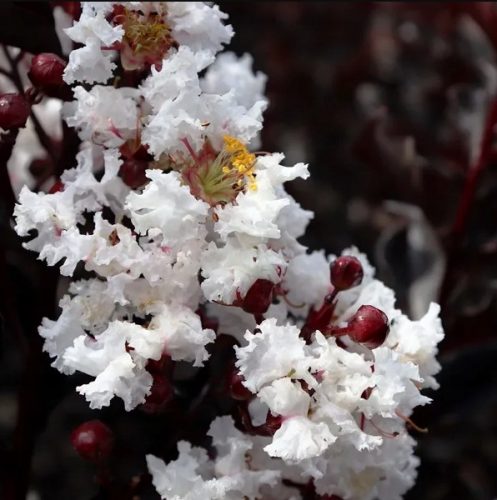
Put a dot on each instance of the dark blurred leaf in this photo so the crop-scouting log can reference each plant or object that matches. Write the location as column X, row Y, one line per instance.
column 410, row 257
column 29, row 26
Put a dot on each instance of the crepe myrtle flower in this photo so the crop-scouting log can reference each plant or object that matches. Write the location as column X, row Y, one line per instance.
column 186, row 235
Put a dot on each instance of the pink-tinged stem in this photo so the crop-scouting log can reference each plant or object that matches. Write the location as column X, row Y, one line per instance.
column 190, row 149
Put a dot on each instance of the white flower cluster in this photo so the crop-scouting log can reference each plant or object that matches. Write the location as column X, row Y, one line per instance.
column 208, row 226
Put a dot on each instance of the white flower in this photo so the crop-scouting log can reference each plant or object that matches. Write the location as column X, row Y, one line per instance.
column 168, row 207
column 117, row 372
column 159, row 256
column 184, row 337
column 417, row 341
column 194, row 477
column 299, row 438
column 292, row 222
column 307, row 280
column 198, row 25
column 104, row 115
column 179, row 73
column 90, row 63
column 283, row 397
column 232, row 73
column 254, row 213
column 233, row 268
column 277, row 351
column 393, row 383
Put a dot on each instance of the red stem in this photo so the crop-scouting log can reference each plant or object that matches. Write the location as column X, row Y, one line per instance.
column 474, row 173
column 463, row 211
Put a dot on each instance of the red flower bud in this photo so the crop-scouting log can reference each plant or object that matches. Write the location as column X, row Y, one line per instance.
column 320, row 319
column 369, row 326
column 14, row 111
column 346, row 272
column 93, row 441
column 259, row 297
column 132, row 172
column 58, row 186
column 161, row 393
column 46, row 71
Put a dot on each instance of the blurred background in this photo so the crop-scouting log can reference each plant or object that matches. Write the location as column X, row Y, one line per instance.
column 393, row 105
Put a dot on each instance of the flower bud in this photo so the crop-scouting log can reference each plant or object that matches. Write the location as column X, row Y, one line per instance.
column 132, row 172
column 346, row 272
column 368, row 326
column 93, row 441
column 259, row 297
column 46, row 71
column 57, row 186
column 236, row 388
column 14, row 111
column 161, row 393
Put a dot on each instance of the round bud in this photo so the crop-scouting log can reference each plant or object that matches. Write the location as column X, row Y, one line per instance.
column 346, row 272
column 369, row 326
column 46, row 71
column 236, row 388
column 39, row 167
column 259, row 297
column 14, row 111
column 132, row 172
column 93, row 441
column 161, row 393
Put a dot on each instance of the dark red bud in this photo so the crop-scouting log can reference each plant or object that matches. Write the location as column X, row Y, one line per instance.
column 272, row 424
column 161, row 366
column 161, row 393
column 46, row 71
column 259, row 297
column 93, row 441
column 368, row 326
column 14, row 111
column 236, row 388
column 318, row 319
column 132, row 172
column 346, row 272
column 40, row 167
column 58, row 186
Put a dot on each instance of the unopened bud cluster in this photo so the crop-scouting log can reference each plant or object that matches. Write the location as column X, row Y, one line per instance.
column 187, row 233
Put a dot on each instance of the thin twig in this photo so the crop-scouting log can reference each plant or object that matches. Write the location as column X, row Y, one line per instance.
column 466, row 200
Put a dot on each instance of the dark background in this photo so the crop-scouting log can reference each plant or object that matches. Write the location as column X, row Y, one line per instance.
column 376, row 98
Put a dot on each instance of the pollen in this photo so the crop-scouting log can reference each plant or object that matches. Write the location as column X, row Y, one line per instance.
column 239, row 158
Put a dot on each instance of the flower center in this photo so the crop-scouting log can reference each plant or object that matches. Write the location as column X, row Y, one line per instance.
column 147, row 38
column 217, row 178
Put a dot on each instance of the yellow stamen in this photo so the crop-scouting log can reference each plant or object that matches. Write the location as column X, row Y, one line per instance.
column 240, row 159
